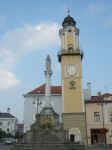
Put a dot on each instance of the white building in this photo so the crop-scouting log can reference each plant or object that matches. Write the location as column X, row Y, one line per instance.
column 8, row 122
column 30, row 109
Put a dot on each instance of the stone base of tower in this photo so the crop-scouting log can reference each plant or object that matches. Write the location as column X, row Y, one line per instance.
column 75, row 123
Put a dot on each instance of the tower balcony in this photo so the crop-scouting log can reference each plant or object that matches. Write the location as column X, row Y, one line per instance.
column 69, row 52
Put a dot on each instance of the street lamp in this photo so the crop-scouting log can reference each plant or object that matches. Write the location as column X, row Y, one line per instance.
column 103, row 118
column 38, row 103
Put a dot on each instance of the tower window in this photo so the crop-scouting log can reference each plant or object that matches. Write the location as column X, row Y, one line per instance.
column 72, row 85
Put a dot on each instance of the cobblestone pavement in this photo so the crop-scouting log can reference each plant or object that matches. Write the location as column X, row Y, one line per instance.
column 90, row 148
column 5, row 147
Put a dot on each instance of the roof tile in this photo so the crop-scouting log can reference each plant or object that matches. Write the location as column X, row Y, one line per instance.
column 41, row 90
column 98, row 98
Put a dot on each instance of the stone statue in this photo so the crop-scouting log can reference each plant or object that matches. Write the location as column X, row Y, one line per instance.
column 48, row 63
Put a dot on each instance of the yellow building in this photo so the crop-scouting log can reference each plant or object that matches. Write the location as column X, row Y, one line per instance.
column 70, row 57
column 99, row 110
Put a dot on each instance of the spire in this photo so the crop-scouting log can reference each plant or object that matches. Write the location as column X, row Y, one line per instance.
column 68, row 9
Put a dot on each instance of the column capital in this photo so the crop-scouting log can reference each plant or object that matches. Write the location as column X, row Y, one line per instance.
column 48, row 73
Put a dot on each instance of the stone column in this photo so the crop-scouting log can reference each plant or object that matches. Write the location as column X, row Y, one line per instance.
column 48, row 74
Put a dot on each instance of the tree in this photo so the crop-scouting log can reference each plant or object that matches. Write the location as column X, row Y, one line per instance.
column 16, row 135
column 2, row 134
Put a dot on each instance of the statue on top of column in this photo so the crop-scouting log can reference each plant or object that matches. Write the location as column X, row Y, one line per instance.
column 48, row 63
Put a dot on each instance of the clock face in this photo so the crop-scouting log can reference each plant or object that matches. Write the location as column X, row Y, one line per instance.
column 71, row 70
column 69, row 30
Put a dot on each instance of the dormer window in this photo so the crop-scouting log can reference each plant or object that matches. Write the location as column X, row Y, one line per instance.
column 39, row 91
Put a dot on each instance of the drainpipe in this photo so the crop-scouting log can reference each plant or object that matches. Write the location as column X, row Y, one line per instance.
column 86, row 125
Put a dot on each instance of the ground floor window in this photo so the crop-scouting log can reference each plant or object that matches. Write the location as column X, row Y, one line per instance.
column 97, row 137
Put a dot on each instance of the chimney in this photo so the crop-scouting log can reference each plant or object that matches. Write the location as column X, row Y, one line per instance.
column 89, row 85
column 98, row 93
column 8, row 110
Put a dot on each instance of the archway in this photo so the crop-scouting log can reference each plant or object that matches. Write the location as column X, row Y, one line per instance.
column 75, row 135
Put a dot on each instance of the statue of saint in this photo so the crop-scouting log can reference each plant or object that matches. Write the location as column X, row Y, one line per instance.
column 48, row 63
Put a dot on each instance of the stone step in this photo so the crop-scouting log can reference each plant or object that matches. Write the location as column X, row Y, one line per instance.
column 48, row 145
column 48, row 142
column 76, row 148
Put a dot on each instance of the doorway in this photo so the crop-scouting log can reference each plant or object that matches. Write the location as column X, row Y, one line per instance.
column 75, row 135
column 97, row 138
column 72, row 138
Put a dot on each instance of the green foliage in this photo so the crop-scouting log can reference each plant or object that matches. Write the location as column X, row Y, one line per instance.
column 43, row 126
column 2, row 134
column 16, row 135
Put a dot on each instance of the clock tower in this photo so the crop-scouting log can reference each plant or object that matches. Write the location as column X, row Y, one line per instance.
column 70, row 57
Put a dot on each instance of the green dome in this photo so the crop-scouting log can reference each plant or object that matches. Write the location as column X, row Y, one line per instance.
column 68, row 21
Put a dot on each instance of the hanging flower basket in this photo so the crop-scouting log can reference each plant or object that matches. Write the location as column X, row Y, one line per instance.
column 103, row 130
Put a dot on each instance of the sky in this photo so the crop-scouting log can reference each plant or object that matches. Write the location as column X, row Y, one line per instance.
column 29, row 31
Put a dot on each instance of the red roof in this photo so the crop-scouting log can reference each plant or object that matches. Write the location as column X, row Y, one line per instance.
column 98, row 98
column 41, row 90
column 20, row 125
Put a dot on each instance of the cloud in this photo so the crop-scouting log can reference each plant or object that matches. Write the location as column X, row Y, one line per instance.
column 21, row 41
column 16, row 43
column 97, row 8
column 58, row 66
column 2, row 20
column 7, row 79
column 108, row 23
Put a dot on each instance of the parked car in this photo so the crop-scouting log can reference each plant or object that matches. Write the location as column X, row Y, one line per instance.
column 9, row 141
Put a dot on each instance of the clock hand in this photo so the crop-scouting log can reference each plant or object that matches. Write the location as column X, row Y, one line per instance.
column 73, row 71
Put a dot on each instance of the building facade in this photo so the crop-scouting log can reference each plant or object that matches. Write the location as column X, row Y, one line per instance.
column 20, row 128
column 8, row 122
column 99, row 115
column 56, row 101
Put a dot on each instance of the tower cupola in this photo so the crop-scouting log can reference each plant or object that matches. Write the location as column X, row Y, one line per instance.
column 8, row 110
column 68, row 21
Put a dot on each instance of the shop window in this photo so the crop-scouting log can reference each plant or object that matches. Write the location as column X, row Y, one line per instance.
column 0, row 123
column 111, row 116
column 96, row 116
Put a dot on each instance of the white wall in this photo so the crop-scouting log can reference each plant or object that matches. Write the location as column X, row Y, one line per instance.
column 30, row 109
column 12, row 127
column 87, row 92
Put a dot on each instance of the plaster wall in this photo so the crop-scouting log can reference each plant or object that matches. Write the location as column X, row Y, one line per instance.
column 87, row 92
column 72, row 97
column 12, row 127
column 91, row 124
column 30, row 109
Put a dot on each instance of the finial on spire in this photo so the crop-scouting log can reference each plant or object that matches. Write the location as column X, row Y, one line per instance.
column 68, row 9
